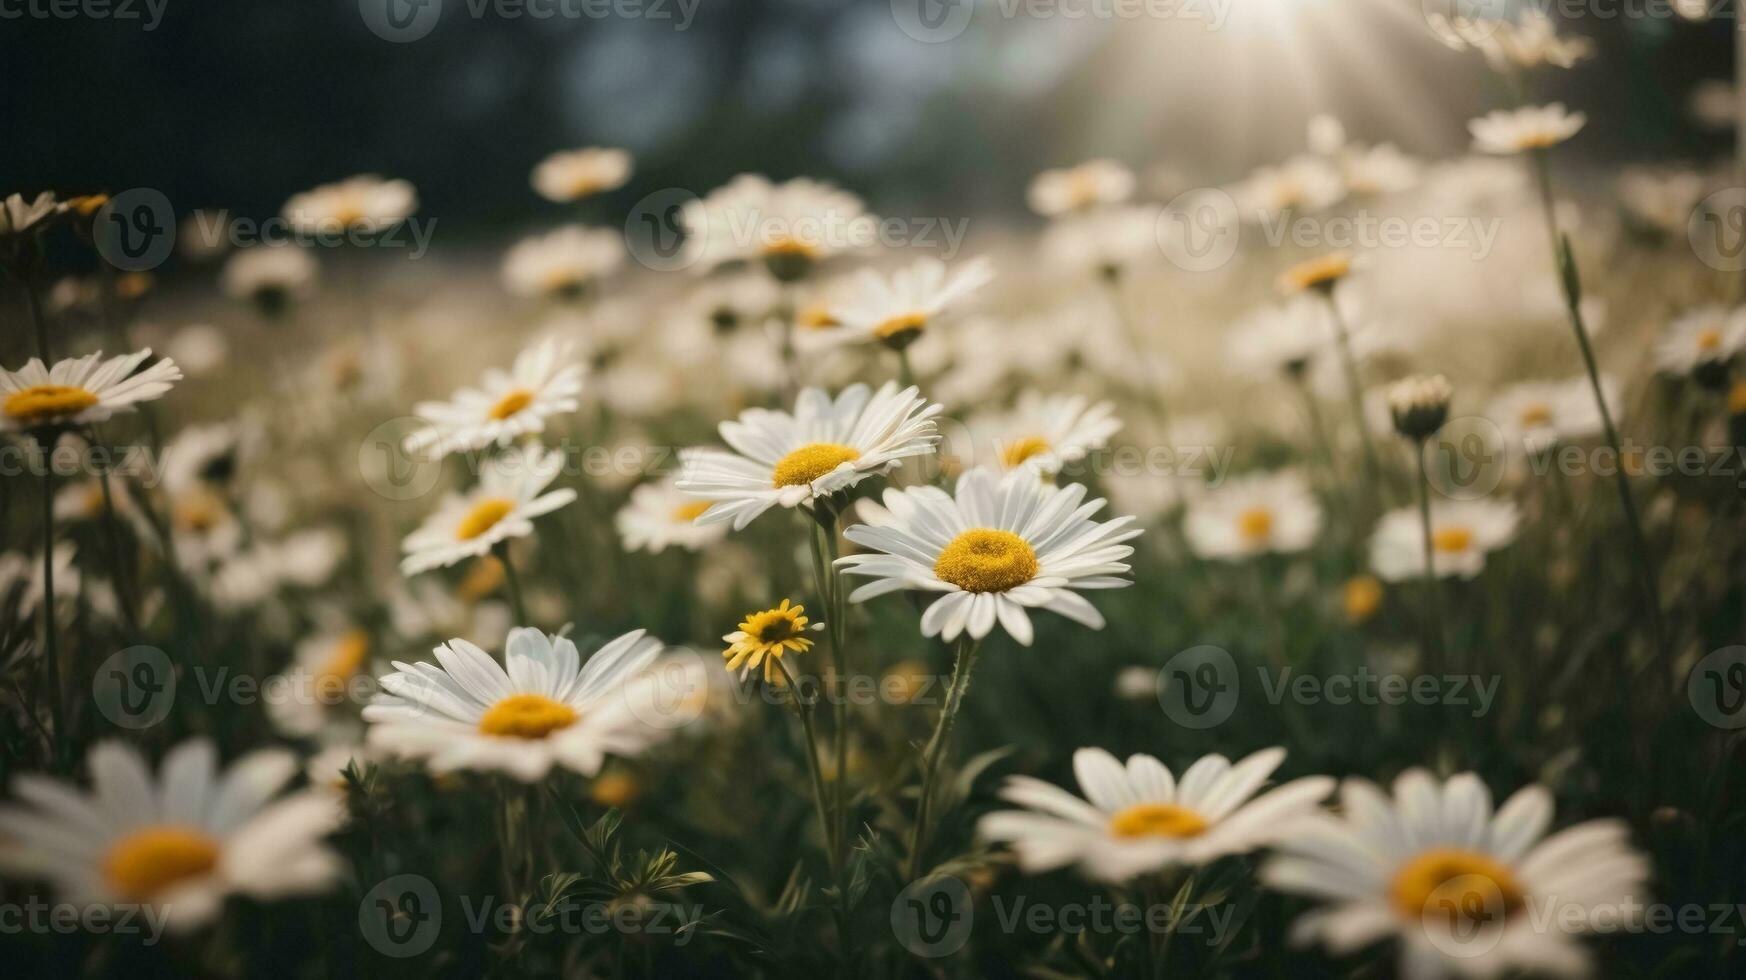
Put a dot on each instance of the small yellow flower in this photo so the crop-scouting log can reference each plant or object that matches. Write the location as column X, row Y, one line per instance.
column 765, row 636
column 1319, row 273
column 615, row 789
column 1361, row 597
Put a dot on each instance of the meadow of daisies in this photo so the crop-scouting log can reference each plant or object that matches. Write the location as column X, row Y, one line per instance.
column 1126, row 594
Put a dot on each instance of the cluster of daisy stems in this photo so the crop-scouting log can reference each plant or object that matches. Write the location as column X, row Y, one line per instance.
column 977, row 545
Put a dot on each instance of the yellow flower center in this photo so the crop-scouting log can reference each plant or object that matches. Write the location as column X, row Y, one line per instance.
column 197, row 511
column 900, row 331
column 613, row 789
column 1082, row 190
column 775, row 626
column 149, row 860
column 529, row 716
column 791, row 246
column 986, row 560
column 343, row 663
column 692, row 511
column 481, row 580
column 810, row 462
column 1255, row 524
column 560, row 280
column 817, row 317
column 1318, row 273
column 1737, row 398
column 1536, row 414
column 349, row 212
column 1157, row 820
column 483, row 517
column 1452, row 540
column 1361, row 597
column 513, row 401
column 1457, row 883
column 1710, row 340
column 585, row 184
column 1023, row 449
column 40, row 404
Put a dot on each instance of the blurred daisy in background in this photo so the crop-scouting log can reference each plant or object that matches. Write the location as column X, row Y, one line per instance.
column 571, row 175
column 897, row 310
column 543, row 382
column 81, row 390
column 1505, row 131
column 1467, row 892
column 564, row 263
column 1103, row 244
column 765, row 637
column 503, row 505
column 315, row 697
column 826, row 446
column 1054, row 193
column 996, row 548
column 1137, row 819
column 19, row 215
column 365, row 203
column 269, row 276
column 1536, row 415
column 1253, row 514
column 1660, row 201
column 180, row 843
column 1043, row 433
column 1529, row 41
column 541, row 707
column 1301, row 183
column 659, row 514
column 1701, row 343
column 1463, row 532
column 790, row 227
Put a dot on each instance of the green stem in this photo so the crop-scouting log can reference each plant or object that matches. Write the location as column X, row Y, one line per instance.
column 513, row 582
column 1349, row 365
column 1433, row 619
column 936, row 747
column 1564, row 265
column 804, row 708
column 825, row 549
column 34, row 303
column 52, row 657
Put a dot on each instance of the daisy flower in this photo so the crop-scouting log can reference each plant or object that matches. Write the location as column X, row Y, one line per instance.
column 1463, row 532
column 1418, row 405
column 1302, row 183
column 1701, row 343
column 764, row 637
column 824, row 447
column 501, row 507
column 321, row 677
column 1253, row 514
column 1138, row 818
column 542, row 707
column 180, row 843
column 1661, row 201
column 1321, row 273
column 660, row 514
column 269, row 276
column 80, row 390
column 1468, row 892
column 571, row 175
column 1045, row 433
column 563, row 263
column 789, row 226
column 366, row 203
column 896, row 311
column 998, row 547
column 1103, row 243
column 1505, row 131
column 1536, row 415
column 1528, row 42
column 18, row 215
column 1056, row 192
column 542, row 383
column 1284, row 338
